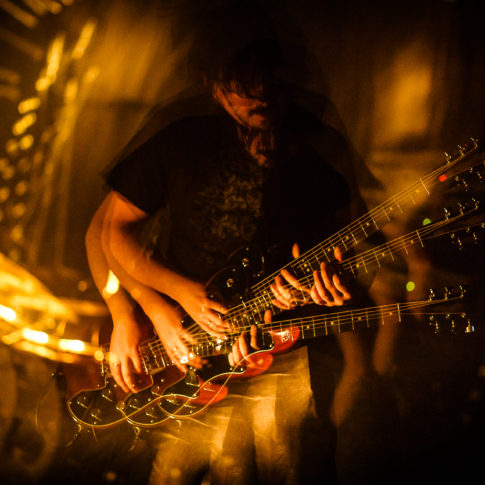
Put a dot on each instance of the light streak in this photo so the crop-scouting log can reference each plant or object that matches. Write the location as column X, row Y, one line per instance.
column 7, row 313
column 28, row 104
column 35, row 336
column 68, row 345
column 84, row 39
column 26, row 142
column 24, row 123
column 19, row 14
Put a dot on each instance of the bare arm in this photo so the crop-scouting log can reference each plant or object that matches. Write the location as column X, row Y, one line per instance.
column 123, row 245
column 126, row 330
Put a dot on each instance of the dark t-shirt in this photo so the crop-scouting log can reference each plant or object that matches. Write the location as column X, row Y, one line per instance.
column 220, row 199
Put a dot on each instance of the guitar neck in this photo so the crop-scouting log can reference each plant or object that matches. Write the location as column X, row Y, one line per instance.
column 309, row 327
column 366, row 225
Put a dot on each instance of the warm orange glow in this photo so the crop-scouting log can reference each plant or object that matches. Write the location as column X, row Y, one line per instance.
column 23, row 124
column 76, row 346
column 29, row 104
column 71, row 90
column 84, row 39
column 403, row 96
column 12, row 146
column 112, row 285
column 35, row 336
column 42, row 84
column 54, row 57
column 26, row 142
column 4, row 194
column 7, row 313
column 19, row 14
column 99, row 355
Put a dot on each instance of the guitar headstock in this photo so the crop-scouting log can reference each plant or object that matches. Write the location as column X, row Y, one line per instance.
column 471, row 176
column 462, row 167
column 447, row 294
column 451, row 323
column 461, row 209
column 468, row 233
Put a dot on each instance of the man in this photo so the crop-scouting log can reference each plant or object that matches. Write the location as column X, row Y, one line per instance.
column 255, row 169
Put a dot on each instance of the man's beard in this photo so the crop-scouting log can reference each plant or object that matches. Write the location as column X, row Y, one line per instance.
column 260, row 144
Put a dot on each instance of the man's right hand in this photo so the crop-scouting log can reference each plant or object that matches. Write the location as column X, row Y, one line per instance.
column 205, row 311
column 124, row 359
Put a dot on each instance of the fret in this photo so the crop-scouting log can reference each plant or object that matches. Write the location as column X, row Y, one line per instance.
column 338, row 323
column 363, row 230
column 398, row 313
column 307, row 266
column 410, row 196
column 352, row 268
column 423, row 184
column 377, row 258
column 382, row 317
column 419, row 237
column 305, row 329
column 367, row 318
column 375, row 224
column 298, row 266
column 385, row 213
column 342, row 241
column 362, row 263
column 352, row 320
column 390, row 251
column 405, row 246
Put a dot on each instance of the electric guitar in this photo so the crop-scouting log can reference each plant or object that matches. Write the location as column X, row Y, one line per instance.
column 98, row 409
column 98, row 391
column 248, row 311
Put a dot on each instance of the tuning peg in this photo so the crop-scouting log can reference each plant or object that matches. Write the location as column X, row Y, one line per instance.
column 447, row 293
column 447, row 157
column 456, row 241
column 461, row 181
column 433, row 322
column 469, row 327
column 447, row 213
column 431, row 294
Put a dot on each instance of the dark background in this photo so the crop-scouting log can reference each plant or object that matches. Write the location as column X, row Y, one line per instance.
column 406, row 82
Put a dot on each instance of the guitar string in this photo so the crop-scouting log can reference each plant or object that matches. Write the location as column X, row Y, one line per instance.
column 383, row 209
column 261, row 288
column 315, row 324
column 337, row 236
column 342, row 317
column 179, row 412
column 352, row 263
column 393, row 246
column 405, row 194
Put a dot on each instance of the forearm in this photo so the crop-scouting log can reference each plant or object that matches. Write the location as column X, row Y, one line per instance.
column 124, row 250
column 152, row 302
column 116, row 298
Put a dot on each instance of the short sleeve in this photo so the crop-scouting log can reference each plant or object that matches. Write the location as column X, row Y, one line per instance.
column 140, row 176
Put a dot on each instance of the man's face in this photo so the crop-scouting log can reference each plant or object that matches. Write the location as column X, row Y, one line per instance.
column 251, row 112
